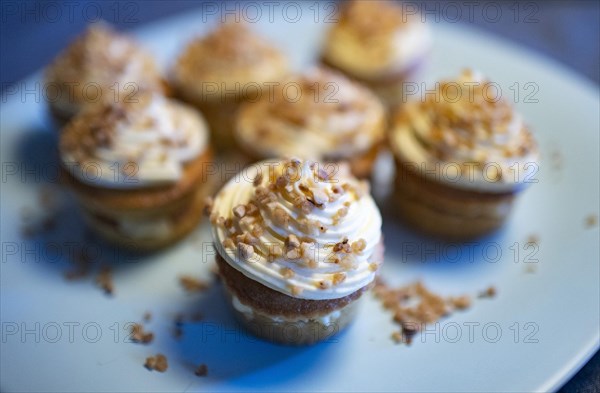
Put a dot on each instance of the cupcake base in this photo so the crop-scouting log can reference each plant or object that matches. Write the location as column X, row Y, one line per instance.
column 146, row 219
column 279, row 318
column 155, row 232
column 446, row 212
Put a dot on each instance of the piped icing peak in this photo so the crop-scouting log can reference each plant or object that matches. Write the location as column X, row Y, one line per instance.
column 320, row 114
column 377, row 39
column 144, row 143
column 303, row 229
column 106, row 59
column 231, row 54
column 464, row 133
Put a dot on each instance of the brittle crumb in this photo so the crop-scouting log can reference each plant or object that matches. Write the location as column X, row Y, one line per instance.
column 208, row 206
column 158, row 363
column 138, row 335
column 591, row 221
column 191, row 284
column 104, row 280
column 201, row 370
column 490, row 292
column 414, row 306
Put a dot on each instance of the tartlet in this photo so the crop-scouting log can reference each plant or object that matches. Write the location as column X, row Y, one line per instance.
column 219, row 71
column 297, row 247
column 463, row 154
column 100, row 65
column 320, row 115
column 378, row 44
column 139, row 170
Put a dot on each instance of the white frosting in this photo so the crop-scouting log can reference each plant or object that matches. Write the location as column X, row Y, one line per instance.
column 101, row 65
column 149, row 145
column 496, row 155
column 381, row 54
column 326, row 319
column 362, row 221
column 333, row 118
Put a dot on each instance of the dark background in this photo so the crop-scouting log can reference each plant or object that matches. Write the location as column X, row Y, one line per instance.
column 32, row 32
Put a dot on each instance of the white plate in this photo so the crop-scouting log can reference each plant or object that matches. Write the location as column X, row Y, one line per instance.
column 554, row 310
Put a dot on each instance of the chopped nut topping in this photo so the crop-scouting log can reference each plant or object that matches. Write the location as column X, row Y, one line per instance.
column 338, row 278
column 201, row 370
column 488, row 293
column 138, row 334
column 251, row 209
column 104, row 280
column 191, row 284
column 373, row 266
column 286, row 272
column 239, row 211
column 208, row 206
column 258, row 179
column 311, row 263
column 228, row 243
column 359, row 246
column 461, row 302
column 591, row 221
column 246, row 250
column 347, row 262
column 319, row 197
column 157, row 362
column 292, row 242
column 534, row 239
column 280, row 217
column 296, row 291
column 323, row 284
column 412, row 316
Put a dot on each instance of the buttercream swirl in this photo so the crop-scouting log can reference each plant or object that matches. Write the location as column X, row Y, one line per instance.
column 101, row 65
column 305, row 230
column 319, row 115
column 466, row 136
column 376, row 39
column 232, row 57
column 133, row 145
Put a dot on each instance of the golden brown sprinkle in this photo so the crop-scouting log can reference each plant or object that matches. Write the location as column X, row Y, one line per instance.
column 191, row 284
column 591, row 221
column 104, row 280
column 201, row 370
column 413, row 306
column 534, row 239
column 138, row 335
column 488, row 293
column 288, row 273
column 338, row 278
column 208, row 206
column 246, row 250
column 157, row 362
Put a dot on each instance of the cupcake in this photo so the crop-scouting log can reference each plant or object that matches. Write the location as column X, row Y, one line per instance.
column 320, row 115
column 297, row 247
column 101, row 65
column 138, row 169
column 378, row 44
column 463, row 155
column 229, row 66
